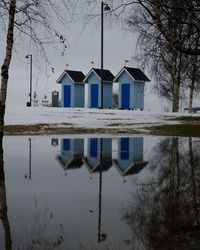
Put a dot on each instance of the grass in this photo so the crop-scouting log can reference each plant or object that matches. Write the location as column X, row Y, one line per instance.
column 38, row 129
column 176, row 130
column 24, row 129
column 185, row 119
column 189, row 126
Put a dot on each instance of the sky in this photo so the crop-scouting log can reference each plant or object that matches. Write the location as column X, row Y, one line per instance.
column 83, row 46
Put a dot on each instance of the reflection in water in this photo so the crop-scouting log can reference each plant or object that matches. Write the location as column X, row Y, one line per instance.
column 54, row 142
column 164, row 213
column 98, row 158
column 100, row 202
column 71, row 154
column 164, row 178
column 29, row 175
column 3, row 202
column 99, row 155
column 130, row 156
column 41, row 233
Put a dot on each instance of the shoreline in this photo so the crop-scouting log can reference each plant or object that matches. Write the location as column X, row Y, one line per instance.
column 179, row 129
column 48, row 120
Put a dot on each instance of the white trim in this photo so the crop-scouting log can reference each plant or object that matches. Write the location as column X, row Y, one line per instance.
column 62, row 75
column 117, row 166
column 132, row 165
column 64, row 167
column 88, row 166
column 121, row 71
column 89, row 73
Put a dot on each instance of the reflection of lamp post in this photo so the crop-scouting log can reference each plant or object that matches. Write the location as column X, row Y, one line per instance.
column 30, row 163
column 100, row 193
column 101, row 236
column 30, row 156
column 104, row 7
column 30, row 94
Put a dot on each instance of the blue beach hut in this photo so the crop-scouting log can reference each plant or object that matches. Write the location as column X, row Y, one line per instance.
column 98, row 154
column 130, row 156
column 72, row 89
column 71, row 154
column 131, row 88
column 93, row 78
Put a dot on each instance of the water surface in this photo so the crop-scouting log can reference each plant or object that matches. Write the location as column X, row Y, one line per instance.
column 88, row 192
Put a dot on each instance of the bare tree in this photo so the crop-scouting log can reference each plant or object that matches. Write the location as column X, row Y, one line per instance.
column 193, row 78
column 166, row 64
column 169, row 201
column 3, row 204
column 174, row 71
column 161, row 10
column 7, row 60
column 36, row 23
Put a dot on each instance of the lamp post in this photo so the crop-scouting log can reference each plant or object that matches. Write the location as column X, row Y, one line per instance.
column 29, row 104
column 104, row 7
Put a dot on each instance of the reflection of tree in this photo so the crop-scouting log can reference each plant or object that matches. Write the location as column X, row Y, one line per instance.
column 41, row 234
column 3, row 202
column 194, row 161
column 165, row 211
column 38, row 236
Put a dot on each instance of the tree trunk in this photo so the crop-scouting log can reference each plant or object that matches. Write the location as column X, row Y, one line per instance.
column 174, row 186
column 6, row 63
column 175, row 101
column 193, row 179
column 177, row 82
column 3, row 202
column 191, row 97
column 192, row 86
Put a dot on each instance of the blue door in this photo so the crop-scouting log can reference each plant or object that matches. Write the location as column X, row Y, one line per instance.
column 67, row 96
column 125, row 96
column 124, row 145
column 66, row 144
column 93, row 147
column 94, row 95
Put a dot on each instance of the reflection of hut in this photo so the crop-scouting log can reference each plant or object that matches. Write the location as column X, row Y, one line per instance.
column 130, row 156
column 99, row 154
column 131, row 88
column 93, row 78
column 72, row 88
column 71, row 153
column 54, row 142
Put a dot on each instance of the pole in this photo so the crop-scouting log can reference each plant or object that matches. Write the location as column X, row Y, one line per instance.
column 100, row 193
column 30, row 156
column 30, row 80
column 102, row 5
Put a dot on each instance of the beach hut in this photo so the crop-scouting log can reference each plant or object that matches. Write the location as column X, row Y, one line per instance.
column 130, row 156
column 98, row 154
column 71, row 154
column 72, row 88
column 93, row 78
column 131, row 88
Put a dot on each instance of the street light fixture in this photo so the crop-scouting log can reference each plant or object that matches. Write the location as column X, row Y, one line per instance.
column 29, row 104
column 104, row 7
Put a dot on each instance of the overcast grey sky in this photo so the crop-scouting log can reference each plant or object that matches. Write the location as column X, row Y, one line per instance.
column 83, row 47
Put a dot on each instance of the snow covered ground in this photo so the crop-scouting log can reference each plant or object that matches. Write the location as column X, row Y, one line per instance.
column 87, row 118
